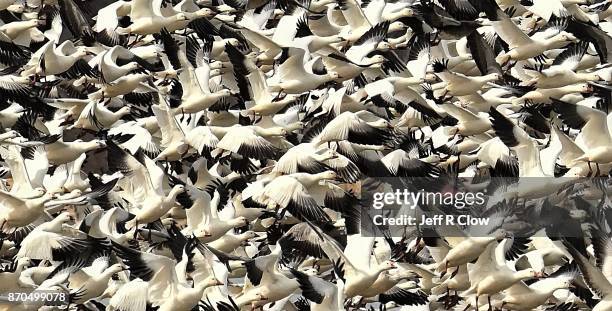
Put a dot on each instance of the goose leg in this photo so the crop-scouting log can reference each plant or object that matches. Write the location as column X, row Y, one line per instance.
column 445, row 268
column 136, row 231
column 597, row 172
column 489, row 300
column 476, row 307
column 446, row 300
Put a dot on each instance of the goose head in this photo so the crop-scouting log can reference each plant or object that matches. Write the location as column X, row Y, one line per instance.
column 201, row 233
column 384, row 46
column 176, row 190
column 124, row 111
column 375, row 61
column 294, row 126
column 181, row 17
column 214, row 73
column 57, row 223
column 502, row 234
column 132, row 66
column 386, row 266
column 406, row 12
column 205, row 12
column 22, row 263
column 224, row 93
column 16, row 8
column 327, row 154
column 247, row 236
column 493, row 77
column 239, row 222
column 232, row 41
column 397, row 26
column 116, row 268
column 317, row 5
column 211, row 281
column 333, row 76
column 327, row 176
column 274, row 131
column 560, row 40
column 9, row 135
column 97, row 144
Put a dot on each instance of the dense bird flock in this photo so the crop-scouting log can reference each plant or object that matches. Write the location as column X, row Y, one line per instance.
column 218, row 155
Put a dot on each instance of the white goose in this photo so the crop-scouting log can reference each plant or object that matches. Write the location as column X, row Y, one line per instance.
column 147, row 19
column 522, row 46
column 92, row 281
column 65, row 59
column 146, row 184
column 295, row 79
column 359, row 273
column 594, row 130
column 323, row 294
column 563, row 71
column 16, row 212
column 166, row 285
column 95, row 116
column 491, row 275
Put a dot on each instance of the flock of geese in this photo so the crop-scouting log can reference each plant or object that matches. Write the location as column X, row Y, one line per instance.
column 218, row 155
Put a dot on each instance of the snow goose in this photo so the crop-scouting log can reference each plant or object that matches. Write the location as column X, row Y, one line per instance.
column 197, row 95
column 465, row 248
column 26, row 173
column 147, row 19
column 306, row 158
column 490, row 274
column 118, row 62
column 562, row 72
column 362, row 127
column 18, row 212
column 268, row 282
column 291, row 192
column 295, row 78
column 23, row 32
column 229, row 242
column 249, row 142
column 544, row 95
column 65, row 60
column 595, row 278
column 47, row 242
column 141, row 138
column 357, row 22
column 460, row 85
column 10, row 274
column 203, row 218
column 530, row 163
column 468, row 123
column 358, row 270
column 173, row 136
column 594, row 130
column 166, row 287
column 123, row 85
column 256, row 84
column 520, row 296
column 95, row 116
column 148, row 190
column 91, row 282
column 522, row 46
column 323, row 294
column 60, row 152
